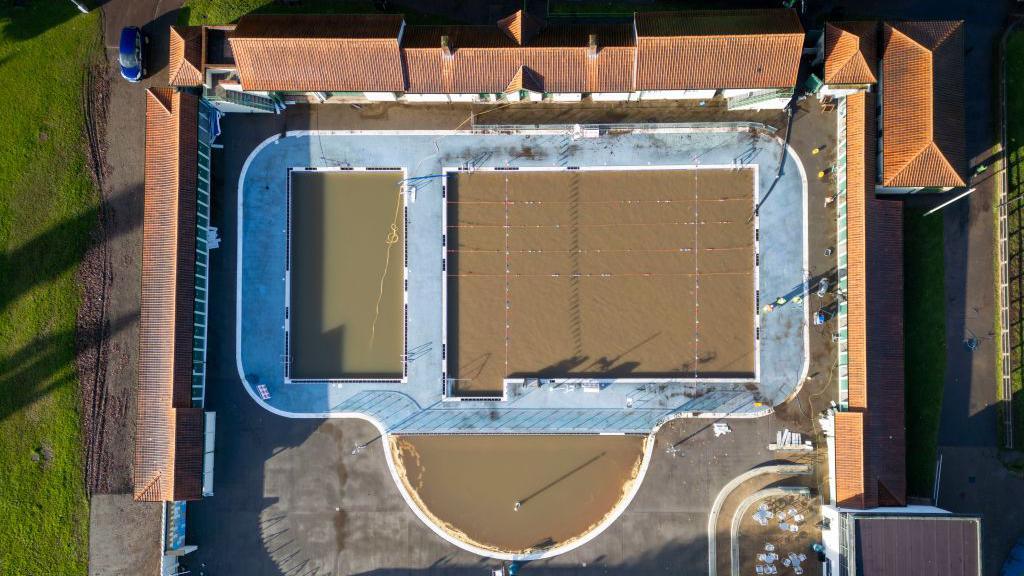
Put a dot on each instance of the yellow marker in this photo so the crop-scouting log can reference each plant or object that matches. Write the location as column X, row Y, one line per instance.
column 821, row 174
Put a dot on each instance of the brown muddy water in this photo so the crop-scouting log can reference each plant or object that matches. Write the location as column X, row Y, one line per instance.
column 600, row 274
column 565, row 485
column 342, row 246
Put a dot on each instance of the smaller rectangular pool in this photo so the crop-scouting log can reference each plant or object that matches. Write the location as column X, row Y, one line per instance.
column 345, row 281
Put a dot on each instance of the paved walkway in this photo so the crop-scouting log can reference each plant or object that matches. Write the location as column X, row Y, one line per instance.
column 416, row 406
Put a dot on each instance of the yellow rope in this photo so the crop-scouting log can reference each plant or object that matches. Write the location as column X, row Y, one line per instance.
column 389, row 240
column 392, row 237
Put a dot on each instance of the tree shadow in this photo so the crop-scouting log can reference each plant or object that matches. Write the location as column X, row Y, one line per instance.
column 27, row 19
column 414, row 12
column 40, row 367
column 57, row 250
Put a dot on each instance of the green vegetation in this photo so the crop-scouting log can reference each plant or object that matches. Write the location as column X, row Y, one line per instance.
column 199, row 12
column 47, row 211
column 925, row 340
column 1015, row 224
column 616, row 8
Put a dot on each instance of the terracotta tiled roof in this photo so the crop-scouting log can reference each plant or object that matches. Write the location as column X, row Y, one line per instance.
column 697, row 49
column 520, row 26
column 482, row 59
column 168, row 270
column 923, row 104
column 319, row 52
column 859, row 186
column 525, row 79
column 188, row 453
column 874, row 327
column 704, row 49
column 185, row 63
column 851, row 52
column 849, row 470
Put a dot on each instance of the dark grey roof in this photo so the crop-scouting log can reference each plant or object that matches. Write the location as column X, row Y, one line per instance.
column 919, row 545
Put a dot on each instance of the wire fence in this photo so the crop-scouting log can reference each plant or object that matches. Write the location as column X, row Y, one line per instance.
column 1003, row 253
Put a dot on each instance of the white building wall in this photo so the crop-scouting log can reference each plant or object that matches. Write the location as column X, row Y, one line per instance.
column 381, row 96
column 677, row 94
column 739, row 92
column 839, row 92
column 612, row 96
column 426, row 98
column 566, row 97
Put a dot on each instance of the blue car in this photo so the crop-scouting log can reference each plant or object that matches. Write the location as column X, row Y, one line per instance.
column 130, row 54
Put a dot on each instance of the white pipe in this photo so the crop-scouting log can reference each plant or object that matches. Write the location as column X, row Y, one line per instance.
column 948, row 202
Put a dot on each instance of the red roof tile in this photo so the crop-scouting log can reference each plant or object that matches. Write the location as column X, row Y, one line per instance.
column 849, row 472
column 168, row 271
column 851, row 52
column 706, row 49
column 874, row 327
column 188, row 453
column 185, row 62
column 482, row 59
column 319, row 52
column 520, row 26
column 923, row 105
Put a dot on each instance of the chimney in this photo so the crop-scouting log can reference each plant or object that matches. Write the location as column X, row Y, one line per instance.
column 592, row 46
column 445, row 49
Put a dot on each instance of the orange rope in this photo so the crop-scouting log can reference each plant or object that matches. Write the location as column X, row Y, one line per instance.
column 602, row 250
column 608, row 225
column 597, row 274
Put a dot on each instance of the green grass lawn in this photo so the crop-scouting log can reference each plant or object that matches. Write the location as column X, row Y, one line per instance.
column 926, row 345
column 1015, row 157
column 198, row 12
column 614, row 7
column 47, row 210
column 925, row 341
column 619, row 8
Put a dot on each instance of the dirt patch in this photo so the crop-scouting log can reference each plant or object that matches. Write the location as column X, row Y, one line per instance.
column 93, row 278
column 518, row 493
column 600, row 274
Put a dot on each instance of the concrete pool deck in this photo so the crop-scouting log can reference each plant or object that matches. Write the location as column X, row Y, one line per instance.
column 417, row 406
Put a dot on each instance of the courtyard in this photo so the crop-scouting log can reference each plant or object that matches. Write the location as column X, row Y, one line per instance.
column 297, row 495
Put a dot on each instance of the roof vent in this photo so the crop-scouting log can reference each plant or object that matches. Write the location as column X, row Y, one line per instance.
column 592, row 45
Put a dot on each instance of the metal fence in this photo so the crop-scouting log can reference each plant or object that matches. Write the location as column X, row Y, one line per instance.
column 629, row 127
column 1004, row 252
column 207, row 123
